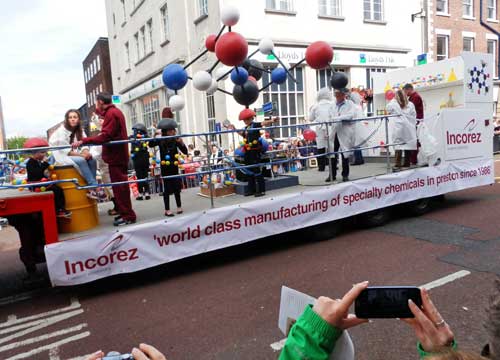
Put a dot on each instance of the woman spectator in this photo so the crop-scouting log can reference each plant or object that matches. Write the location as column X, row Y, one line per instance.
column 404, row 128
column 70, row 131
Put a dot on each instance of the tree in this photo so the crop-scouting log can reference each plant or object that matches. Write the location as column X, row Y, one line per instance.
column 16, row 142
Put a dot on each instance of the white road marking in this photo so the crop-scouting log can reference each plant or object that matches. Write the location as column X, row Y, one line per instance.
column 277, row 346
column 12, row 319
column 46, row 322
column 445, row 280
column 42, row 337
column 54, row 353
column 48, row 347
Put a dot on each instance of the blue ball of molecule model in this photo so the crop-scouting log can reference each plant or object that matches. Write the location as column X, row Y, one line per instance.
column 278, row 75
column 17, row 162
column 19, row 182
column 175, row 77
column 239, row 76
column 158, row 160
column 167, row 157
column 132, row 156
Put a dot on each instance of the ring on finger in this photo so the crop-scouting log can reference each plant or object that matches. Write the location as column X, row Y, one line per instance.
column 440, row 323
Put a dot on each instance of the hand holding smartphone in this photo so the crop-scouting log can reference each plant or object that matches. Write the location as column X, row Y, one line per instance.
column 387, row 302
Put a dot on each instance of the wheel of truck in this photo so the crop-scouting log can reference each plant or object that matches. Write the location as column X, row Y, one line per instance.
column 322, row 232
column 418, row 207
column 375, row 218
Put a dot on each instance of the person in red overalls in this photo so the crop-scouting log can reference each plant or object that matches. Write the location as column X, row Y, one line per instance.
column 116, row 156
column 415, row 98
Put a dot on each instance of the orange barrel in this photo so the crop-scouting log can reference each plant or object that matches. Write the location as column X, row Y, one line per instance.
column 84, row 210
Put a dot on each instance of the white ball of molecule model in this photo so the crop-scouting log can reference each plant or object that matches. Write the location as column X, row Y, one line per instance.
column 266, row 46
column 177, row 103
column 230, row 15
column 213, row 88
column 202, row 80
column 220, row 72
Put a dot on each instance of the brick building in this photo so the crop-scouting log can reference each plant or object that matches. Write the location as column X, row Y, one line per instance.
column 97, row 73
column 455, row 26
column 3, row 137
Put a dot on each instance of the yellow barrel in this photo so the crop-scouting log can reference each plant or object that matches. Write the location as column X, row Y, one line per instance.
column 84, row 210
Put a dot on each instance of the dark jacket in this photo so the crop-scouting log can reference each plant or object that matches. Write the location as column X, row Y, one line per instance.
column 36, row 169
column 419, row 104
column 169, row 152
column 113, row 128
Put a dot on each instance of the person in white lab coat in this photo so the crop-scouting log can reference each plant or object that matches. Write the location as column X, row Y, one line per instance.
column 345, row 111
column 361, row 131
column 322, row 112
column 403, row 128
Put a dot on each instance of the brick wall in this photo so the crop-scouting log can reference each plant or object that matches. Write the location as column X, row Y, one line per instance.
column 457, row 25
column 103, row 76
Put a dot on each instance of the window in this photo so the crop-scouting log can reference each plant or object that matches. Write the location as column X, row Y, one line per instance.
column 137, row 46
column 88, row 99
column 281, row 5
column 442, row 6
column 492, row 49
column 143, row 42
column 468, row 8
column 100, row 88
column 133, row 113
column 442, row 47
column 98, row 63
column 468, row 44
column 165, row 29
column 211, row 115
column 127, row 55
column 330, row 7
column 373, row 10
column 85, row 75
column 492, row 9
column 151, row 110
column 94, row 67
column 149, row 25
column 124, row 10
column 202, row 7
column 289, row 100
column 114, row 19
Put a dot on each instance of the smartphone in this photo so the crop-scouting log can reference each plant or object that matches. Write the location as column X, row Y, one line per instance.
column 386, row 302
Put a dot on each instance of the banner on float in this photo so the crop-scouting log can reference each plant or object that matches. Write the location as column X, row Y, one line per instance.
column 147, row 245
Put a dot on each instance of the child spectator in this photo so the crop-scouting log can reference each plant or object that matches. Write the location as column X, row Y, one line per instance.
column 140, row 158
column 169, row 153
column 37, row 169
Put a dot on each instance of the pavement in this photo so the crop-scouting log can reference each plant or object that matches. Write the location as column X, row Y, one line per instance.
column 224, row 305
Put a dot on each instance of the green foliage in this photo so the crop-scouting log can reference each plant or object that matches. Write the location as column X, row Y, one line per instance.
column 16, row 142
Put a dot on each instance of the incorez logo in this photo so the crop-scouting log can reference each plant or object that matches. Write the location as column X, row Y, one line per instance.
column 467, row 136
column 114, row 256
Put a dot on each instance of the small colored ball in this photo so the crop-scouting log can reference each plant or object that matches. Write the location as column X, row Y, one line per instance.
column 163, row 162
column 24, row 182
column 176, row 156
column 139, row 136
column 51, row 167
column 175, row 77
column 255, row 142
column 210, row 42
column 37, row 190
column 239, row 76
column 44, row 180
column 176, row 163
column 136, row 149
column 43, row 189
column 145, row 145
column 20, row 189
column 53, row 177
column 167, row 163
column 278, row 75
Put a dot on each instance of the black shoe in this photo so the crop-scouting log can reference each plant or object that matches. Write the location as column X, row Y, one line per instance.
column 140, row 198
column 122, row 222
column 328, row 179
column 249, row 194
column 321, row 170
column 345, row 178
column 118, row 217
column 148, row 197
column 260, row 194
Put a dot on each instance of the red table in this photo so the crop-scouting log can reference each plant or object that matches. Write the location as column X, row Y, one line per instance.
column 14, row 202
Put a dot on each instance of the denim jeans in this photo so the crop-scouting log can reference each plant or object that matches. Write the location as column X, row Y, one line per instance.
column 88, row 168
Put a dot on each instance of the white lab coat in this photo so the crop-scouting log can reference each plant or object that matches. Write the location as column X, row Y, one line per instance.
column 345, row 129
column 322, row 112
column 61, row 137
column 403, row 126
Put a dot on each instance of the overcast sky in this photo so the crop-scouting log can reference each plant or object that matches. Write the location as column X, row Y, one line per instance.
column 43, row 45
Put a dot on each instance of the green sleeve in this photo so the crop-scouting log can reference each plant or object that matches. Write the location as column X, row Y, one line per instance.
column 423, row 354
column 310, row 338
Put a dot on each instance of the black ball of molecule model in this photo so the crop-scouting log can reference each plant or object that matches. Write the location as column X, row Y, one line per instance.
column 339, row 80
column 246, row 94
